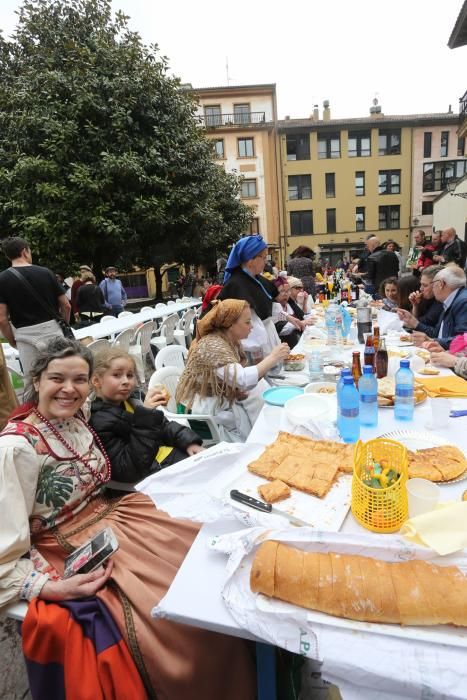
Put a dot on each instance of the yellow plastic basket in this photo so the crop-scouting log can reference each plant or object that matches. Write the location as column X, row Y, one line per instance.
column 380, row 509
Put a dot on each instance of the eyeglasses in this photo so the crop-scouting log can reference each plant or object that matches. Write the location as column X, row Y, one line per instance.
column 434, row 281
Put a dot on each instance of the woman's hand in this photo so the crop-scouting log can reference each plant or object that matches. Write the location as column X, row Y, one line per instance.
column 432, row 346
column 443, row 359
column 279, row 353
column 415, row 298
column 78, row 586
column 156, row 397
column 194, row 449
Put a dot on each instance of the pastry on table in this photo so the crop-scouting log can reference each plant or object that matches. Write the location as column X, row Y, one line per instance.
column 274, row 491
column 428, row 370
column 437, row 463
column 361, row 588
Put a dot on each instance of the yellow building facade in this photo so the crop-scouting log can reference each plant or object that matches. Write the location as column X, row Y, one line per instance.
column 343, row 180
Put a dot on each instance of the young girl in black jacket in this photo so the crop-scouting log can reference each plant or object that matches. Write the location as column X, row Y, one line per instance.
column 137, row 436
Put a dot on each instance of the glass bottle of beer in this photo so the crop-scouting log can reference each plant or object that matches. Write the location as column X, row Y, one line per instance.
column 381, row 360
column 369, row 352
column 376, row 337
column 356, row 367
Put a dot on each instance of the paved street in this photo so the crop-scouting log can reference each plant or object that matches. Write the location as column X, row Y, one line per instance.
column 13, row 679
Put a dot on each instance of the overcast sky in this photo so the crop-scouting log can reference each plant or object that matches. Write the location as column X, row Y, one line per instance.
column 346, row 51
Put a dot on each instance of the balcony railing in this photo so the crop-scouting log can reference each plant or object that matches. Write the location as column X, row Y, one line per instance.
column 463, row 107
column 244, row 119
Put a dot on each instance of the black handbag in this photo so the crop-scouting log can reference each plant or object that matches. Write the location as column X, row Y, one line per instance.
column 64, row 326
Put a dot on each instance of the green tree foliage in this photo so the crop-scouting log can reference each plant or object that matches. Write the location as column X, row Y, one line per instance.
column 102, row 159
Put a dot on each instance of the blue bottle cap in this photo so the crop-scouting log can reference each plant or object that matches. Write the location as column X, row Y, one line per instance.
column 367, row 369
column 345, row 371
column 348, row 379
column 405, row 364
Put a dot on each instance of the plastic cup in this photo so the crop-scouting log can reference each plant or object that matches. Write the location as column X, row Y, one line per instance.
column 440, row 409
column 423, row 496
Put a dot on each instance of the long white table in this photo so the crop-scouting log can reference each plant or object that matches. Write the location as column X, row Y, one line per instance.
column 195, row 594
column 109, row 328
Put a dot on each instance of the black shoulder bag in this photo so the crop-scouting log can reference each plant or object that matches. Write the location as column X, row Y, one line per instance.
column 65, row 327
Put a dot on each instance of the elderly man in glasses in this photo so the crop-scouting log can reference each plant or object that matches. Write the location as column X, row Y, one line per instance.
column 449, row 289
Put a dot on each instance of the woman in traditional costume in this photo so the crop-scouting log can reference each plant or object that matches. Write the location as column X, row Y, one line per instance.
column 243, row 280
column 53, row 468
column 216, row 380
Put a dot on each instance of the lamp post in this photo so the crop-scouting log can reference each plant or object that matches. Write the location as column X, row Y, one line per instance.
column 451, row 186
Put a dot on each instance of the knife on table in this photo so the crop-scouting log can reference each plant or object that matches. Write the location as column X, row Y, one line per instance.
column 265, row 507
column 457, row 414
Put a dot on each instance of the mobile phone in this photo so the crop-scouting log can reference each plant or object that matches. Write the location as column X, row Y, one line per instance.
column 91, row 554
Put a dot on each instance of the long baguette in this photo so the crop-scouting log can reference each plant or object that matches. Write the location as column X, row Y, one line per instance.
column 361, row 588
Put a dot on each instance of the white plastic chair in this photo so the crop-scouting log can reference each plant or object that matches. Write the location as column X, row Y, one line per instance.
column 165, row 334
column 186, row 325
column 122, row 314
column 147, row 308
column 170, row 302
column 171, row 356
column 98, row 345
column 104, row 319
column 17, row 382
column 141, row 347
column 123, row 339
column 168, row 377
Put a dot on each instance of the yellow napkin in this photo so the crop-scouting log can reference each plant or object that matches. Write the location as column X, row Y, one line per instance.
column 454, row 387
column 443, row 529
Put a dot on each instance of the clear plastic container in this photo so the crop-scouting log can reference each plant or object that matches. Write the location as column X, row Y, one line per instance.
column 404, row 398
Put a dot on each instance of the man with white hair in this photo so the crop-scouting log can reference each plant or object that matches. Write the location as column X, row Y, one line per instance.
column 449, row 289
column 381, row 264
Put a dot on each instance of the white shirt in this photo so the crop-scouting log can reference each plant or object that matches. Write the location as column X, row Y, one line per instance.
column 446, row 303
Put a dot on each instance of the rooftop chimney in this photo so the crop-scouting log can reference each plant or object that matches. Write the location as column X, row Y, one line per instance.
column 326, row 111
column 315, row 113
column 375, row 110
column 287, row 117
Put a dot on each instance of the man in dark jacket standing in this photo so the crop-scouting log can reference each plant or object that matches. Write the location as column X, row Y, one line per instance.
column 453, row 249
column 381, row 264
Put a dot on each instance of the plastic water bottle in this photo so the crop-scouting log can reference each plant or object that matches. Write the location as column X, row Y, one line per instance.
column 349, row 418
column 340, row 385
column 315, row 365
column 404, row 400
column 330, row 318
column 368, row 390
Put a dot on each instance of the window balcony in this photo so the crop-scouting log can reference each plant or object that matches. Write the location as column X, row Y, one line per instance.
column 462, row 129
column 211, row 121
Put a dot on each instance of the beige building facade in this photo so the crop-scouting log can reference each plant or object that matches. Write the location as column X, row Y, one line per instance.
column 241, row 123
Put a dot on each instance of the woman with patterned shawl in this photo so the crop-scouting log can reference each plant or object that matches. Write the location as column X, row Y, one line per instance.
column 216, row 381
column 53, row 470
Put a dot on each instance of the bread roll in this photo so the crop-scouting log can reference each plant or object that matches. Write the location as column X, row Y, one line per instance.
column 361, row 588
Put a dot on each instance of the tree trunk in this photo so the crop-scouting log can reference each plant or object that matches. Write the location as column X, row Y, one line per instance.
column 158, row 278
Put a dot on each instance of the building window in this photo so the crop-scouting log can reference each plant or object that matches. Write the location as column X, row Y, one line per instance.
column 330, row 220
column 359, row 144
column 427, row 208
column 245, row 148
column 437, row 174
column 299, row 186
column 389, row 217
column 389, row 182
column 444, row 144
column 218, row 148
column 389, row 142
column 212, row 115
column 242, row 114
column 360, row 218
column 427, row 144
column 254, row 226
column 330, row 185
column 248, row 188
column 359, row 183
column 329, row 146
column 298, row 147
column 301, row 223
column 461, row 146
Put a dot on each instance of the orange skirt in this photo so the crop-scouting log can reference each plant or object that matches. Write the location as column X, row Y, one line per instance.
column 176, row 662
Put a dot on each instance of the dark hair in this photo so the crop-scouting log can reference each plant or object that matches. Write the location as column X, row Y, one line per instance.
column 394, row 243
column 407, row 285
column 302, row 252
column 56, row 349
column 388, row 280
column 14, row 246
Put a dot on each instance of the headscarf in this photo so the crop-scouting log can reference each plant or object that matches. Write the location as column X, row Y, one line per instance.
column 294, row 282
column 245, row 249
column 211, row 293
column 280, row 281
column 211, row 350
column 221, row 317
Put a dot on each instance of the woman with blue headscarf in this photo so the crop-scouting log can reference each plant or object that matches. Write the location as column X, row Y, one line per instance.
column 243, row 280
